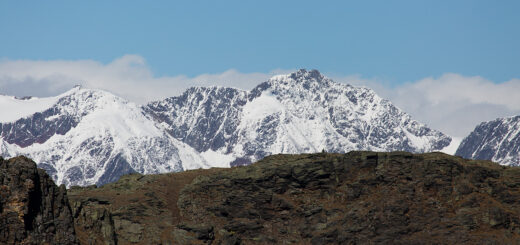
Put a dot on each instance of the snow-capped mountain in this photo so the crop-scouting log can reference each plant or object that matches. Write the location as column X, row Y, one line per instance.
column 497, row 140
column 86, row 136
column 295, row 113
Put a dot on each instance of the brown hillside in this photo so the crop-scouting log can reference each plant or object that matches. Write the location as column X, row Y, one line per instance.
column 354, row 198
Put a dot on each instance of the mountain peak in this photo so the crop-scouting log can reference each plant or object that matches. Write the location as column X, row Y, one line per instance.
column 299, row 76
column 303, row 74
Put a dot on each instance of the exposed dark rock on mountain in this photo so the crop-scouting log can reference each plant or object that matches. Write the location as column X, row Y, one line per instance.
column 38, row 128
column 214, row 123
column 358, row 197
column 497, row 140
column 33, row 210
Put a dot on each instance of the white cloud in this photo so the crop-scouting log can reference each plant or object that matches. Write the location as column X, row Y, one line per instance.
column 452, row 103
column 128, row 76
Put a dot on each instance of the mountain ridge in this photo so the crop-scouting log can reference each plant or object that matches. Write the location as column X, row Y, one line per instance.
column 270, row 108
column 92, row 136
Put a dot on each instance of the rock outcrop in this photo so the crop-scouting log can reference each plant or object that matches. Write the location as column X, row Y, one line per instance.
column 358, row 197
column 33, row 210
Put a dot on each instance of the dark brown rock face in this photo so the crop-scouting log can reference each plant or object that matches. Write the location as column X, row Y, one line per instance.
column 33, row 210
column 357, row 198
column 354, row 198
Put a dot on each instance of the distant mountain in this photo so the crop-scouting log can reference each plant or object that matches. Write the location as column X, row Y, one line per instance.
column 87, row 136
column 497, row 140
column 295, row 113
column 92, row 137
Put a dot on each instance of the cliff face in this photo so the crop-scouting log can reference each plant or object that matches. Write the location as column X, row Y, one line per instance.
column 33, row 210
column 359, row 197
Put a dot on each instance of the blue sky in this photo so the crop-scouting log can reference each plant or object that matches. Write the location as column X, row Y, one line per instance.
column 450, row 64
column 392, row 41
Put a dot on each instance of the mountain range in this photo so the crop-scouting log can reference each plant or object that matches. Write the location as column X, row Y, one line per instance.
column 88, row 136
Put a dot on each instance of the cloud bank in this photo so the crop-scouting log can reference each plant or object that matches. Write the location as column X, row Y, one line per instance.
column 128, row 76
column 452, row 103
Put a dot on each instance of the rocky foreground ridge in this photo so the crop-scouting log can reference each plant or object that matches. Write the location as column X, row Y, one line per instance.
column 353, row 198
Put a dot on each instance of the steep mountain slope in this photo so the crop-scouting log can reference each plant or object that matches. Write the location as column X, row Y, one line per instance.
column 497, row 140
column 205, row 118
column 93, row 137
column 353, row 198
column 299, row 112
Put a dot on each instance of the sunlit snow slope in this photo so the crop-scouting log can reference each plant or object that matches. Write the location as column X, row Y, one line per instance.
column 92, row 137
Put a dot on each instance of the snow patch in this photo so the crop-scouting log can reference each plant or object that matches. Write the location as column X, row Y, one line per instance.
column 452, row 147
column 217, row 159
column 261, row 107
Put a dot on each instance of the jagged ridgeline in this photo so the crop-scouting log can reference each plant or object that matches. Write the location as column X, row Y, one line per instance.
column 295, row 113
column 86, row 136
column 323, row 198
